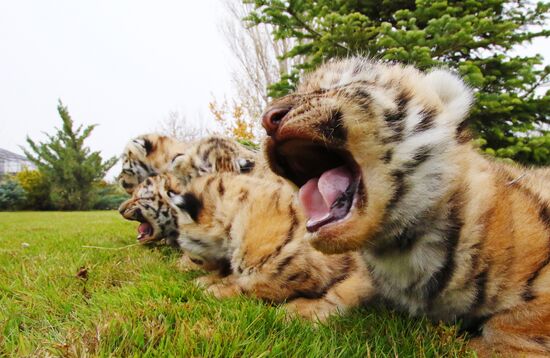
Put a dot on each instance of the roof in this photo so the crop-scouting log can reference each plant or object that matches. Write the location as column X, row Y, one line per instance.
column 7, row 155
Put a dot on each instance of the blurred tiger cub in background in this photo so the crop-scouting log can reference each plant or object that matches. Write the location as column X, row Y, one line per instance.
column 153, row 154
column 214, row 154
column 256, row 226
column 147, row 155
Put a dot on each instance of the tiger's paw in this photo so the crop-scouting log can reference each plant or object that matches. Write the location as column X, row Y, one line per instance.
column 207, row 281
column 223, row 290
column 311, row 309
column 185, row 264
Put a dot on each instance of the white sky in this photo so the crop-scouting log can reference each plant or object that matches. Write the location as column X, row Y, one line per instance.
column 122, row 64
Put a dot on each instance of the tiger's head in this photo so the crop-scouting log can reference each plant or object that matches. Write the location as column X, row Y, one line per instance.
column 369, row 144
column 213, row 154
column 149, row 205
column 152, row 154
column 147, row 155
column 167, row 209
column 202, row 226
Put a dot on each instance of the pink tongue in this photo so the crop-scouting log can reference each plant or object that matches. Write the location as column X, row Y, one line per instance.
column 144, row 228
column 318, row 194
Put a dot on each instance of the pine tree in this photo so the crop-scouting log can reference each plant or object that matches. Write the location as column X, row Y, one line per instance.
column 481, row 39
column 70, row 166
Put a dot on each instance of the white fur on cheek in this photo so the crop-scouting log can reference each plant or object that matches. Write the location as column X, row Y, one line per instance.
column 183, row 216
column 176, row 199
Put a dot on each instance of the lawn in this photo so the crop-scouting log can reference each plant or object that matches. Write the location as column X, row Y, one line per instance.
column 61, row 298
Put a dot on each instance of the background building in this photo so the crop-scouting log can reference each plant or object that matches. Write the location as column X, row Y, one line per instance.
column 11, row 163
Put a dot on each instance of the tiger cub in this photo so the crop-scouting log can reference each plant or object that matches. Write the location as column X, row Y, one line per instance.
column 383, row 161
column 147, row 155
column 152, row 154
column 214, row 154
column 257, row 227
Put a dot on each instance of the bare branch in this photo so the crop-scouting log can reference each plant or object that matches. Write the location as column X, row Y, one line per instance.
column 258, row 56
column 178, row 126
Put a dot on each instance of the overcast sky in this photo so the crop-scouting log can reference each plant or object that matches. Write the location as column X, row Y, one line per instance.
column 122, row 64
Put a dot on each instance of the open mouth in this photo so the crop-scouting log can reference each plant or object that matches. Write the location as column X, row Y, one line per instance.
column 145, row 232
column 329, row 179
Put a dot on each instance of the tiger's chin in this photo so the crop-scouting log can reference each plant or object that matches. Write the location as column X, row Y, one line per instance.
column 338, row 237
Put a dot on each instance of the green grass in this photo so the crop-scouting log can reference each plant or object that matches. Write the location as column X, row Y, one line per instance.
column 135, row 302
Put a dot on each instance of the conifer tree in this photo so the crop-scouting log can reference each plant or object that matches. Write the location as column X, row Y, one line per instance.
column 480, row 39
column 70, row 166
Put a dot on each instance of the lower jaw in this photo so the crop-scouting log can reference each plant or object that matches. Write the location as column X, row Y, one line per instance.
column 332, row 241
column 148, row 240
column 340, row 236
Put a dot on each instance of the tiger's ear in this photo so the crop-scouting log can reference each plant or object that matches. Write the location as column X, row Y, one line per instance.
column 189, row 204
column 144, row 145
column 455, row 95
column 148, row 145
column 245, row 165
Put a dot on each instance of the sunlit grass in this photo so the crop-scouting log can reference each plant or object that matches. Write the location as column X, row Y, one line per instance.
column 135, row 302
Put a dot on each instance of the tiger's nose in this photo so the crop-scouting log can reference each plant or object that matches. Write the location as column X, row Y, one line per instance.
column 272, row 118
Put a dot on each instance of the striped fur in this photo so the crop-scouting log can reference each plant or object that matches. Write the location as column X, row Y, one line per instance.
column 445, row 232
column 149, row 204
column 147, row 155
column 152, row 154
column 213, row 154
column 256, row 226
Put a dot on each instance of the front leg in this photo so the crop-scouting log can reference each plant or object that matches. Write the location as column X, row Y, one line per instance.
column 224, row 290
column 523, row 331
column 220, row 287
column 349, row 293
column 317, row 309
column 208, row 280
column 185, row 264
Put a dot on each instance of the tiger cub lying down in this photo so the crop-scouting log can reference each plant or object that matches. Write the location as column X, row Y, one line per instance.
column 147, row 155
column 445, row 232
column 152, row 154
column 256, row 226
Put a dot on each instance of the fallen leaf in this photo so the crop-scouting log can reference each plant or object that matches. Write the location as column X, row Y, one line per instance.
column 82, row 273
